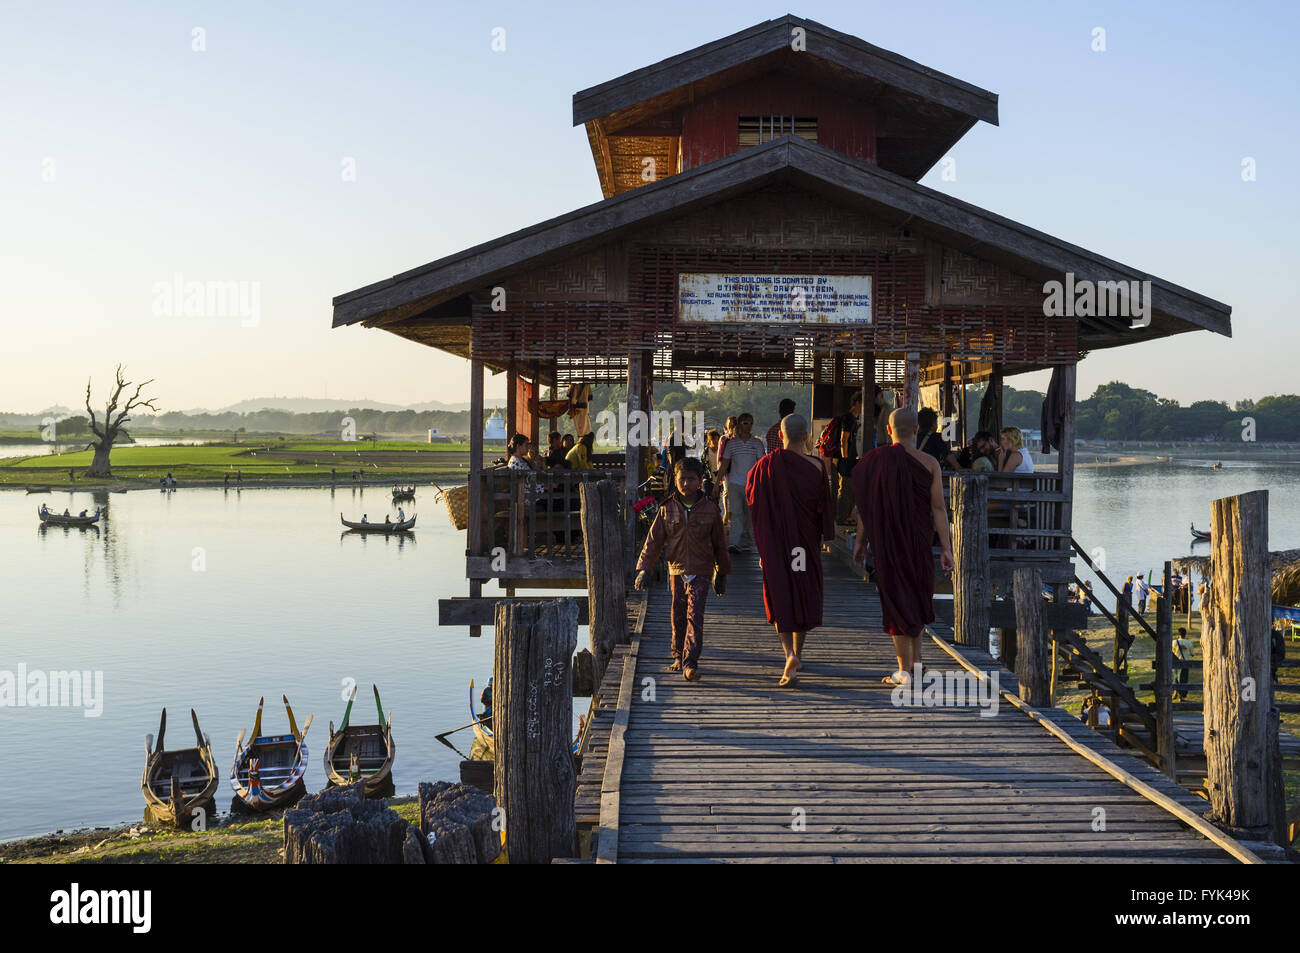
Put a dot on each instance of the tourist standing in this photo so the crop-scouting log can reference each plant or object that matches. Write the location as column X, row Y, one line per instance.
column 848, row 459
column 1142, row 590
column 784, row 409
column 788, row 496
column 738, row 457
column 902, row 509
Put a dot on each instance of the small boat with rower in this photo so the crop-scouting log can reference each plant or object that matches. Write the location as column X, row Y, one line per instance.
column 385, row 527
column 46, row 515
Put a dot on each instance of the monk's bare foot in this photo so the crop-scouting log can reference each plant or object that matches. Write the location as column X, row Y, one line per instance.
column 791, row 671
column 675, row 665
column 691, row 674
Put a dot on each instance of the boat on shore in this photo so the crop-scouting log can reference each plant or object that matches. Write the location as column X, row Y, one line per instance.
column 180, row 786
column 57, row 519
column 267, row 773
column 386, row 527
column 362, row 752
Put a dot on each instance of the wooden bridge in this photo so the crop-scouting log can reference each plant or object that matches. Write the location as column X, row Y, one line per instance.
column 734, row 769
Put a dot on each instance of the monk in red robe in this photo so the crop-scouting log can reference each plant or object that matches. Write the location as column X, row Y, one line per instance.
column 900, row 509
column 792, row 512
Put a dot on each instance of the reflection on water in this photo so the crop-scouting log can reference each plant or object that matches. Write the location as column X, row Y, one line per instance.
column 212, row 598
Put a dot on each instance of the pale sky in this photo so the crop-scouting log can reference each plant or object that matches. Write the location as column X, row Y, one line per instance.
column 127, row 158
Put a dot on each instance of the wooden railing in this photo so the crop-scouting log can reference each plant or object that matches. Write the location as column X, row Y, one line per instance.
column 1028, row 521
column 534, row 517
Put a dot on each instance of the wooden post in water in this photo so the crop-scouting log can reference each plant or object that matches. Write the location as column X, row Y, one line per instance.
column 532, row 725
column 634, row 455
column 602, row 535
column 1241, row 742
column 970, row 582
column 1033, row 646
column 1164, row 666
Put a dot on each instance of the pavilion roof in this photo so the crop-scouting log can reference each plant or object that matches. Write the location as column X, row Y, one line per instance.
column 430, row 304
column 921, row 112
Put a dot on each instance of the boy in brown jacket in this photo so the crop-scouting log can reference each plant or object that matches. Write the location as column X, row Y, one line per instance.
column 689, row 528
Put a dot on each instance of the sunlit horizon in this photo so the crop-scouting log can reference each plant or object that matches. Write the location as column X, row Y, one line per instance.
column 134, row 160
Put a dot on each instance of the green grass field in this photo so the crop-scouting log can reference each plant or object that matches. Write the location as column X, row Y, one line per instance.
column 277, row 461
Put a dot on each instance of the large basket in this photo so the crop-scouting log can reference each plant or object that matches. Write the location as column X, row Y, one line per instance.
column 457, row 500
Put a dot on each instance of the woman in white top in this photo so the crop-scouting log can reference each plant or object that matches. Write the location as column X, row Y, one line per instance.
column 1015, row 458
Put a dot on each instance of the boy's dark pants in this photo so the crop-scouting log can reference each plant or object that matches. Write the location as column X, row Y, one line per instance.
column 688, row 617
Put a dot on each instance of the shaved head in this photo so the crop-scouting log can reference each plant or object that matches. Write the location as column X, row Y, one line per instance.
column 794, row 428
column 903, row 423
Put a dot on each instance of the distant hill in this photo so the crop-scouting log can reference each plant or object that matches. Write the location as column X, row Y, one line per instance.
column 310, row 405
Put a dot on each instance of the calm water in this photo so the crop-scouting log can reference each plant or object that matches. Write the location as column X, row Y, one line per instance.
column 63, row 446
column 285, row 605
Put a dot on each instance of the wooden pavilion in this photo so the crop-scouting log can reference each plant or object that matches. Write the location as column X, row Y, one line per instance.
column 781, row 159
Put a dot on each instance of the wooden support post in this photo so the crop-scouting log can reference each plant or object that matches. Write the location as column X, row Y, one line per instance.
column 602, row 536
column 476, row 502
column 635, row 402
column 1123, row 639
column 1164, row 666
column 1066, row 453
column 866, row 431
column 1241, row 742
column 534, row 780
column 911, row 396
column 970, row 581
column 512, row 401
column 1032, row 642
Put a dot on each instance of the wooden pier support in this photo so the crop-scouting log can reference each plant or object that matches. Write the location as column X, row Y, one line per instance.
column 603, row 540
column 1033, row 646
column 970, row 582
column 1164, row 672
column 1243, row 763
column 532, row 725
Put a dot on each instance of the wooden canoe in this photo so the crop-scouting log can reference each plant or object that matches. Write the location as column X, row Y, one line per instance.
column 60, row 520
column 267, row 773
column 402, row 527
column 180, row 786
column 400, row 495
column 362, row 752
column 483, row 726
column 1200, row 536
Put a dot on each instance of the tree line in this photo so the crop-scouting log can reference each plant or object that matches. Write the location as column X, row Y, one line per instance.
column 1115, row 411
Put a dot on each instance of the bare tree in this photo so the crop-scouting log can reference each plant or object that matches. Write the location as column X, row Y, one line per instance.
column 114, row 418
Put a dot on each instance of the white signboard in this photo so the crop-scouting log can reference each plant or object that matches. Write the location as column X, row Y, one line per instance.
column 774, row 299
